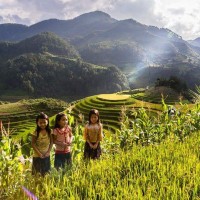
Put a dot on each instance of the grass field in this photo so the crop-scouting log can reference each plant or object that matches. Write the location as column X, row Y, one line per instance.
column 20, row 116
column 166, row 171
column 157, row 158
column 111, row 106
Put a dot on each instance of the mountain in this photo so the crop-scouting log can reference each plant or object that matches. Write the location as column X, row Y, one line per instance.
column 11, row 32
column 43, row 42
column 46, row 65
column 69, row 29
column 136, row 49
column 195, row 42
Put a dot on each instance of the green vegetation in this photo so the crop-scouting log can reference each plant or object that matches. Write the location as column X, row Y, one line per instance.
column 20, row 116
column 196, row 95
column 43, row 42
column 156, row 158
column 112, row 106
column 109, row 108
column 144, row 53
column 46, row 65
column 156, row 94
column 173, row 82
column 117, row 52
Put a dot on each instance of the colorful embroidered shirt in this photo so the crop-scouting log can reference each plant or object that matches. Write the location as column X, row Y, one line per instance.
column 93, row 132
column 63, row 135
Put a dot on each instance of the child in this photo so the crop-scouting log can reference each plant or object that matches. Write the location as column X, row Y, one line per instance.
column 62, row 137
column 42, row 143
column 93, row 136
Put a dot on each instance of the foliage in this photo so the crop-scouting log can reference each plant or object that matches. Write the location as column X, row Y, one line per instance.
column 173, row 82
column 196, row 95
column 101, row 39
column 166, row 171
column 54, row 76
column 45, row 104
column 10, row 154
column 114, row 52
column 151, row 157
column 146, row 129
column 43, row 42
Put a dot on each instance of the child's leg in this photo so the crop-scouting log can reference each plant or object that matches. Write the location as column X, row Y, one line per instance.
column 96, row 152
column 58, row 162
column 46, row 165
column 68, row 158
column 87, row 151
column 36, row 165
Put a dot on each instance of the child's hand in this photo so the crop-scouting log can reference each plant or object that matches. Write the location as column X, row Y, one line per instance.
column 47, row 154
column 41, row 155
column 91, row 146
column 65, row 145
column 68, row 143
column 95, row 146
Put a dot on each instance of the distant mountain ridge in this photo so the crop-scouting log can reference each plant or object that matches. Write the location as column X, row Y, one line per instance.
column 64, row 28
column 97, row 27
column 195, row 42
column 136, row 49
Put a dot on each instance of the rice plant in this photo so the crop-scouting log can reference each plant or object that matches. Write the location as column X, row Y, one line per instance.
column 150, row 157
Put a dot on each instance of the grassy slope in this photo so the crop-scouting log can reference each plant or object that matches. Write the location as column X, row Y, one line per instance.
column 20, row 116
column 169, row 170
column 110, row 106
column 153, row 172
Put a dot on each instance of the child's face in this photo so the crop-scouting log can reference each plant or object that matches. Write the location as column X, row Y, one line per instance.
column 94, row 118
column 42, row 123
column 63, row 121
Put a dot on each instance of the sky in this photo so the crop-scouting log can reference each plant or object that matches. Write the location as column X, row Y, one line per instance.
column 180, row 16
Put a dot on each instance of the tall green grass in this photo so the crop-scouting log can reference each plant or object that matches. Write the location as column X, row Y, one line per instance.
column 156, row 158
column 166, row 171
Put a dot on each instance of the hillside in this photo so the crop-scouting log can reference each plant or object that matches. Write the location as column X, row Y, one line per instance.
column 153, row 154
column 20, row 116
column 161, row 163
column 128, row 44
column 46, row 65
column 43, row 42
column 195, row 42
column 112, row 107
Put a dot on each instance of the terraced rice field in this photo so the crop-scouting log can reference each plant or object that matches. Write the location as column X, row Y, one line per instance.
column 110, row 107
column 155, row 95
column 19, row 117
column 16, row 118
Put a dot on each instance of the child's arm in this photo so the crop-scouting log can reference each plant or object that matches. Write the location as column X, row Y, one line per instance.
column 70, row 137
column 33, row 143
column 99, row 137
column 60, row 143
column 86, row 138
column 50, row 146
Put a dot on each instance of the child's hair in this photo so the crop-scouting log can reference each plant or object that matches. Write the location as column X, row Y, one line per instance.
column 38, row 129
column 96, row 112
column 58, row 118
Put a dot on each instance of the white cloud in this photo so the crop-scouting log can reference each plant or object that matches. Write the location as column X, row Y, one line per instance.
column 181, row 16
